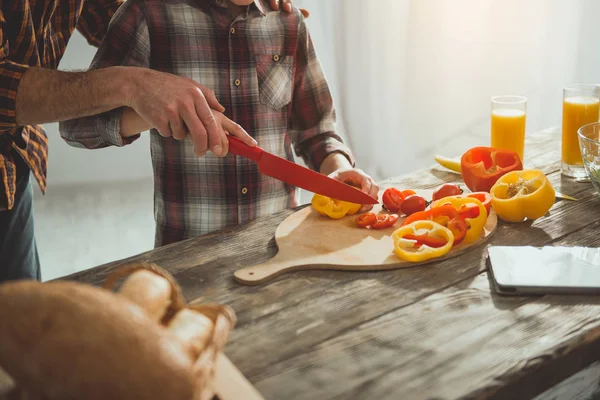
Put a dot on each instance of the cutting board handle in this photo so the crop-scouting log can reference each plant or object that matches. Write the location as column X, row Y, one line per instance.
column 261, row 273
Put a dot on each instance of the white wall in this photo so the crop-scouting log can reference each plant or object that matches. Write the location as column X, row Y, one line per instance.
column 414, row 77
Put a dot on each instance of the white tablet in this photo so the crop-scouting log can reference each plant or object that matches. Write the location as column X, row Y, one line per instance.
column 522, row 270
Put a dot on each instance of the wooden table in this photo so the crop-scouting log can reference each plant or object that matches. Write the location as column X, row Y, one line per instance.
column 431, row 332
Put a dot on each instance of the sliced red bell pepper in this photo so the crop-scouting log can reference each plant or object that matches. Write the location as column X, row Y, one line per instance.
column 446, row 216
column 481, row 167
column 459, row 228
column 484, row 197
column 469, row 211
column 427, row 240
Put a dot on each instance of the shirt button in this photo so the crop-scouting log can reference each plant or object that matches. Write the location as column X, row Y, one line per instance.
column 237, row 82
column 276, row 57
column 245, row 191
column 232, row 30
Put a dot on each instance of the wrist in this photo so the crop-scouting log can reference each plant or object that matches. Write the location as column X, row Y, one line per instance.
column 130, row 81
column 334, row 162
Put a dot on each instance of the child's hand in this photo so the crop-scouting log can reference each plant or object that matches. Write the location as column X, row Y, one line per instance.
column 358, row 178
column 287, row 6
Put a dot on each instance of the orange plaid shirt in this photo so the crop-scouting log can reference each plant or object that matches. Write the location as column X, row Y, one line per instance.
column 34, row 33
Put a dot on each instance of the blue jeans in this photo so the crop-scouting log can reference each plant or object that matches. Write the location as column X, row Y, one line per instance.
column 18, row 250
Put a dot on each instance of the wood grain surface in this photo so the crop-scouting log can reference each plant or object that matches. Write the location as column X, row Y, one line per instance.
column 417, row 333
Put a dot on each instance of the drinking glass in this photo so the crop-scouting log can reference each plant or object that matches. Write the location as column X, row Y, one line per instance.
column 508, row 123
column 589, row 143
column 581, row 106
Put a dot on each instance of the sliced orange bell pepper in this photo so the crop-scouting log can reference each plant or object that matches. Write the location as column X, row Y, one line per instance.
column 332, row 208
column 521, row 195
column 475, row 220
column 422, row 240
column 481, row 167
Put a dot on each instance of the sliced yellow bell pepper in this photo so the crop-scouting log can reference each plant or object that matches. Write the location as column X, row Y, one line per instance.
column 420, row 241
column 476, row 224
column 521, row 195
column 332, row 208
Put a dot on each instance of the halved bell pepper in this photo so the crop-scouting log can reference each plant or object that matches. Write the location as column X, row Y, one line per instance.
column 475, row 220
column 422, row 240
column 332, row 208
column 522, row 194
column 482, row 166
column 446, row 216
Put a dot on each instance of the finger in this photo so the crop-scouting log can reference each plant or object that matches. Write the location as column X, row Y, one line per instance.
column 365, row 208
column 374, row 192
column 222, row 141
column 274, row 4
column 287, row 5
column 211, row 98
column 195, row 128
column 210, row 124
column 164, row 129
column 305, row 12
column 237, row 131
column 225, row 144
column 365, row 184
column 215, row 140
column 177, row 129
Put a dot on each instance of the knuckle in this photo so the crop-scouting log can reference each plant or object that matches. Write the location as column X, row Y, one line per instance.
column 171, row 110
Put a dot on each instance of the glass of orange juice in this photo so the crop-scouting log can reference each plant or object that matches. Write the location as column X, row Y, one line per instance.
column 581, row 106
column 508, row 123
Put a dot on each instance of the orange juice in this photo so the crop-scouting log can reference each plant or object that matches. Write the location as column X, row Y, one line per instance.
column 508, row 130
column 577, row 111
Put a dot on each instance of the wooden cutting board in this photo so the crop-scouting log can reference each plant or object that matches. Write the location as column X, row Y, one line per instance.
column 309, row 241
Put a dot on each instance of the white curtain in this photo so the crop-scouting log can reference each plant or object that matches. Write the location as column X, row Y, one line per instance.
column 412, row 78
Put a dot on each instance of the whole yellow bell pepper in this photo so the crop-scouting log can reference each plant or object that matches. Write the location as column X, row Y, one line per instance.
column 475, row 225
column 522, row 194
column 422, row 240
column 332, row 208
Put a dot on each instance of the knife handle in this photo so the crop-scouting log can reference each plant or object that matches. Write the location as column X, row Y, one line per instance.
column 239, row 148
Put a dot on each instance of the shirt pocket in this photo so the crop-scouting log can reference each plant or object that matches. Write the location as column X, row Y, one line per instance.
column 275, row 79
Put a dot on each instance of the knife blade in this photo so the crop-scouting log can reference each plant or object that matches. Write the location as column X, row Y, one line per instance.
column 297, row 175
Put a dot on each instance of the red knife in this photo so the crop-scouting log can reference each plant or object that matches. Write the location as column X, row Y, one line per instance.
column 297, row 175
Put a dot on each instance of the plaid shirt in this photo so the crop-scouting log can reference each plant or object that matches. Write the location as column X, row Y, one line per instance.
column 34, row 33
column 263, row 69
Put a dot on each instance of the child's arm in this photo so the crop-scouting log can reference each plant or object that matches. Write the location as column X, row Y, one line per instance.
column 312, row 117
column 132, row 124
column 312, row 121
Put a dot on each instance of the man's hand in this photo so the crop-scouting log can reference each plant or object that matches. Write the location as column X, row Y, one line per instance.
column 287, row 6
column 178, row 107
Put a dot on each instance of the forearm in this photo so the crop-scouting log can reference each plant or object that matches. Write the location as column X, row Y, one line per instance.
column 131, row 123
column 47, row 95
column 334, row 162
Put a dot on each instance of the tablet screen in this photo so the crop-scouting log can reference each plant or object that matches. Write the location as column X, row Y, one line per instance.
column 545, row 267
